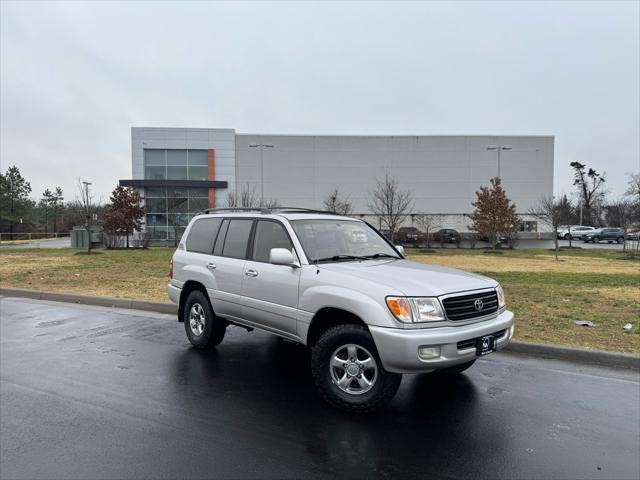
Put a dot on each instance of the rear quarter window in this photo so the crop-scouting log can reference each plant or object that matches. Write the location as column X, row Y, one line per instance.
column 202, row 235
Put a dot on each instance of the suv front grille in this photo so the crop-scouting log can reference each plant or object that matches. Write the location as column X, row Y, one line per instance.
column 464, row 307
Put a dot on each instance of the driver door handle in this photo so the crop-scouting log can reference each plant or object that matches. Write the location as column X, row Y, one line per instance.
column 251, row 273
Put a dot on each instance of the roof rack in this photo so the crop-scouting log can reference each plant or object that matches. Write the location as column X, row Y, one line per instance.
column 267, row 211
column 301, row 210
column 237, row 209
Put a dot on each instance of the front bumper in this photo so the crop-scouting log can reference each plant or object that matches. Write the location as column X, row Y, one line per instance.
column 398, row 348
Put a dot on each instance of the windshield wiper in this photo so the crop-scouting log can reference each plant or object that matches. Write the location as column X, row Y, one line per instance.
column 382, row 255
column 337, row 258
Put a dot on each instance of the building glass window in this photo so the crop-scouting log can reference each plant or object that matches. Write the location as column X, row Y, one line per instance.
column 198, row 157
column 198, row 173
column 529, row 226
column 177, row 173
column 155, row 173
column 177, row 157
column 173, row 208
column 154, row 157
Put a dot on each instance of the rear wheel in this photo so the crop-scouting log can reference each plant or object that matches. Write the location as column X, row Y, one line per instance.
column 455, row 369
column 620, row 239
column 347, row 371
column 203, row 328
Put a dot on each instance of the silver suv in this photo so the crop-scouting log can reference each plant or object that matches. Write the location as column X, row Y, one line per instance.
column 337, row 285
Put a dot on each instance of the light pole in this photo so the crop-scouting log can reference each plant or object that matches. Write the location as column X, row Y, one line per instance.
column 87, row 211
column 499, row 148
column 261, row 146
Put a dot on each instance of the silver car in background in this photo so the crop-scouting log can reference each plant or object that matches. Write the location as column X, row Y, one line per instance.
column 336, row 285
column 573, row 232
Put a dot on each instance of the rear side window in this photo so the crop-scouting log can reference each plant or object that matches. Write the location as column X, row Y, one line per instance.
column 269, row 235
column 235, row 243
column 217, row 249
column 202, row 234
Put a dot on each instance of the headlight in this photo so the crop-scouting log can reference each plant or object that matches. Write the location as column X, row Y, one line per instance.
column 501, row 301
column 416, row 310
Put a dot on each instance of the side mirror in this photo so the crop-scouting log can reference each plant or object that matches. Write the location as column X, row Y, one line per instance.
column 400, row 249
column 282, row 256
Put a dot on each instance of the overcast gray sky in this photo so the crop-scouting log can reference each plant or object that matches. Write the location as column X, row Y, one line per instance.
column 76, row 76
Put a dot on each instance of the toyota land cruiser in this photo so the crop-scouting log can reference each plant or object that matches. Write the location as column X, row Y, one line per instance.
column 337, row 285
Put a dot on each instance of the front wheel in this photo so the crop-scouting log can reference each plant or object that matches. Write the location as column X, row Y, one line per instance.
column 620, row 240
column 203, row 328
column 596, row 239
column 347, row 370
column 567, row 236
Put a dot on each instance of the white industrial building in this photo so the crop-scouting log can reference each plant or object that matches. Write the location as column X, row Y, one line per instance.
column 182, row 171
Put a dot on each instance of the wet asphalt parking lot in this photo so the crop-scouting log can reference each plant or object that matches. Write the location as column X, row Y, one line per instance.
column 89, row 392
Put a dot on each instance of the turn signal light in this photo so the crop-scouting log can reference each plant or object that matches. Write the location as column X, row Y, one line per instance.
column 400, row 308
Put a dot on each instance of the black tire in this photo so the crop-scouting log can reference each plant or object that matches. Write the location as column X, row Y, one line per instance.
column 620, row 240
column 456, row 369
column 596, row 239
column 384, row 387
column 567, row 236
column 213, row 328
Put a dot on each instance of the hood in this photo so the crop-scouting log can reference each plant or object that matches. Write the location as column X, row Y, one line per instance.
column 412, row 278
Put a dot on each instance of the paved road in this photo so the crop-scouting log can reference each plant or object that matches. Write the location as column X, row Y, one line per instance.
column 88, row 392
column 58, row 243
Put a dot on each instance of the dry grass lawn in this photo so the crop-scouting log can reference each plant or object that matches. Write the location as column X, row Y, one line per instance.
column 545, row 295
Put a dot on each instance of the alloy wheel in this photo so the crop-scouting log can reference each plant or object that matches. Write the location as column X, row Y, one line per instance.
column 353, row 369
column 197, row 319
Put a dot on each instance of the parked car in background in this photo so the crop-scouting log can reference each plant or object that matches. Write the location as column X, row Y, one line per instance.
column 608, row 234
column 499, row 239
column 408, row 235
column 573, row 232
column 446, row 235
column 633, row 235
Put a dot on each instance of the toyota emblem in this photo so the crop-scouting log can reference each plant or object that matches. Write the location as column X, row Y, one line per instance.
column 478, row 304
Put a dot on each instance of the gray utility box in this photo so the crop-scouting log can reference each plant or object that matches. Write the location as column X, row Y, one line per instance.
column 80, row 237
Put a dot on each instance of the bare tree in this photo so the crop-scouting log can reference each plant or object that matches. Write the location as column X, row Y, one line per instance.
column 591, row 190
column 623, row 214
column 333, row 203
column 428, row 223
column 633, row 188
column 553, row 212
column 390, row 203
column 85, row 202
column 247, row 198
column 633, row 193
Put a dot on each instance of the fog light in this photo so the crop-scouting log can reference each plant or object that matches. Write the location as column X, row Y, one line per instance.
column 427, row 353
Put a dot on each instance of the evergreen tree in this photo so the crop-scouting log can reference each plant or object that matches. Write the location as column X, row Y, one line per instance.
column 14, row 198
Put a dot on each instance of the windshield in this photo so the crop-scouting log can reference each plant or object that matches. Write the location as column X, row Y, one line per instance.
column 340, row 240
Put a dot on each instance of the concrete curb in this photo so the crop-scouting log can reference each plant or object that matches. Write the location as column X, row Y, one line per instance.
column 114, row 302
column 577, row 355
